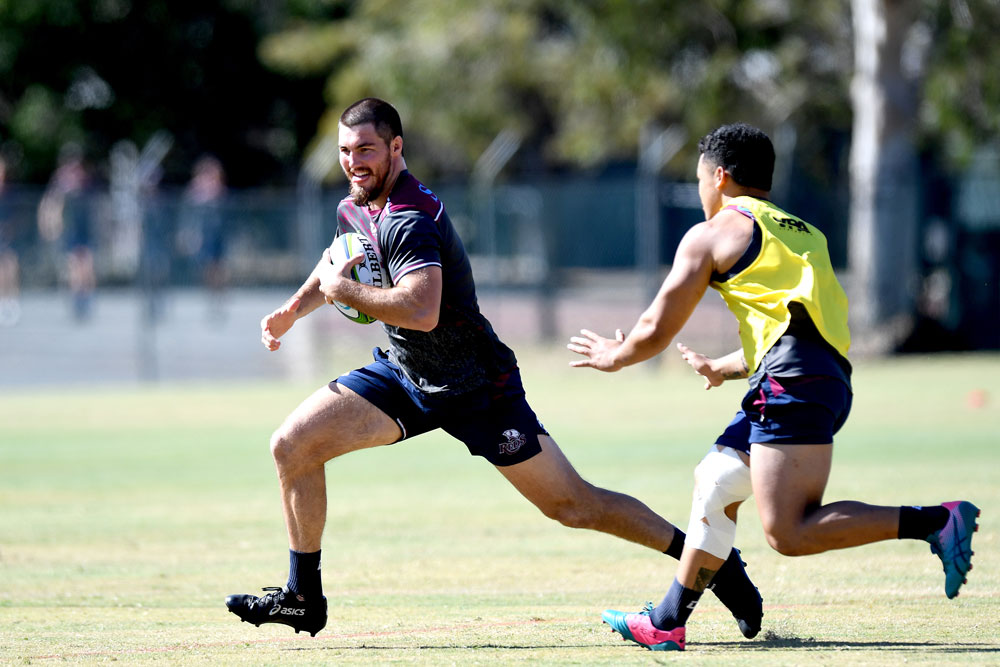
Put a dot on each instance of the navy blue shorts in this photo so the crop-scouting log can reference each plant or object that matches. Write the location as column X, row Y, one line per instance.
column 494, row 422
column 804, row 410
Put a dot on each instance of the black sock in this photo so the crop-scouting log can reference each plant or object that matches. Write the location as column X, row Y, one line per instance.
column 917, row 523
column 304, row 574
column 675, row 608
column 735, row 590
column 676, row 547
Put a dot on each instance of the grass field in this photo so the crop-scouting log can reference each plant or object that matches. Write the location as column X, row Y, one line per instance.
column 128, row 515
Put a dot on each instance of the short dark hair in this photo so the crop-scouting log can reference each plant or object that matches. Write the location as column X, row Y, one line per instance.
column 744, row 151
column 379, row 113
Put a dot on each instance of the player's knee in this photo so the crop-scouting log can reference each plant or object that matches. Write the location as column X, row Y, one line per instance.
column 722, row 481
column 787, row 542
column 279, row 447
column 566, row 513
column 283, row 449
column 569, row 512
column 784, row 545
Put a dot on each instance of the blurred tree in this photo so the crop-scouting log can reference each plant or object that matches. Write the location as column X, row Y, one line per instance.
column 579, row 80
column 921, row 79
column 576, row 80
column 884, row 172
column 955, row 46
column 99, row 71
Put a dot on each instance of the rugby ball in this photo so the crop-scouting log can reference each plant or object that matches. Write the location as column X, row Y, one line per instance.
column 368, row 272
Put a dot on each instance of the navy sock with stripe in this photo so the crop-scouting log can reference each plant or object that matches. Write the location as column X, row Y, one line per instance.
column 675, row 608
column 305, row 576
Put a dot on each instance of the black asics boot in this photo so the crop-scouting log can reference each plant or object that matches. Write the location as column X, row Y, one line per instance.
column 735, row 590
column 279, row 605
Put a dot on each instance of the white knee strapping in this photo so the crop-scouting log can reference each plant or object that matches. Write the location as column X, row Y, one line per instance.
column 721, row 479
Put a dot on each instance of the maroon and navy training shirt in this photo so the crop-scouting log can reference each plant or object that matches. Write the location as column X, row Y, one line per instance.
column 413, row 231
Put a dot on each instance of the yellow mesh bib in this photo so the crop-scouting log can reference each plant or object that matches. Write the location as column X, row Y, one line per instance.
column 793, row 265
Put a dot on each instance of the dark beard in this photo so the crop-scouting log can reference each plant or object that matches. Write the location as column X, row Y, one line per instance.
column 360, row 196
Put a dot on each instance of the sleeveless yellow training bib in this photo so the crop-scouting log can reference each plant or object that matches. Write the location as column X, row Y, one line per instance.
column 793, row 265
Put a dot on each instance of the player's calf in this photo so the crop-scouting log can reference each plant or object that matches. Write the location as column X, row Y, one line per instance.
column 722, row 480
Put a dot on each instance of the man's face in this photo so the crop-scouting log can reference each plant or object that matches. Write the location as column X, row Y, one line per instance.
column 708, row 191
column 366, row 160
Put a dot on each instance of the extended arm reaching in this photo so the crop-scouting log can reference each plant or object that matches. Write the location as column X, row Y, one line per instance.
column 680, row 293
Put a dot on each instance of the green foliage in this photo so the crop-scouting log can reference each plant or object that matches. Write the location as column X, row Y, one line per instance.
column 578, row 80
column 961, row 106
column 104, row 71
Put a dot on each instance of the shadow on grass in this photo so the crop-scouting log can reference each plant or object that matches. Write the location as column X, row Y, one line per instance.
column 808, row 643
column 443, row 647
column 796, row 644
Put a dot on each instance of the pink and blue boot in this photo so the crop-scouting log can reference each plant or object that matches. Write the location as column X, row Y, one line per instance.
column 639, row 629
column 953, row 544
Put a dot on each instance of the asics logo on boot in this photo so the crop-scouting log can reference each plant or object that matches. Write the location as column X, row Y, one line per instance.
column 286, row 611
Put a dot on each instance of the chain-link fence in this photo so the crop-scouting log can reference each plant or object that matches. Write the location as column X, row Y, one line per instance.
column 547, row 241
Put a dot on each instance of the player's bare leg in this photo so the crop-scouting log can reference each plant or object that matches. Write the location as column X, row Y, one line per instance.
column 789, row 481
column 301, row 447
column 722, row 483
column 333, row 421
column 553, row 485
column 697, row 567
column 722, row 477
column 695, row 573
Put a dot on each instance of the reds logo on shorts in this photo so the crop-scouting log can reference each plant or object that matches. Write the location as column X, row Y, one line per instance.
column 515, row 440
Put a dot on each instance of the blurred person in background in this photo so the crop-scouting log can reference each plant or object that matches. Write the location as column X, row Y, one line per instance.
column 200, row 230
column 10, row 267
column 155, row 248
column 64, row 215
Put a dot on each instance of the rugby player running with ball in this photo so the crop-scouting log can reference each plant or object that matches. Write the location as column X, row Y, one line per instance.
column 444, row 368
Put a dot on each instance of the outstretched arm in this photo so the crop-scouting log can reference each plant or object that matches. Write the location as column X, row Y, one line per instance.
column 733, row 366
column 680, row 293
column 305, row 300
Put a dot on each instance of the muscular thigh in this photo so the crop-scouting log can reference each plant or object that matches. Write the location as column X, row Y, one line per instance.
column 546, row 478
column 788, row 479
column 335, row 420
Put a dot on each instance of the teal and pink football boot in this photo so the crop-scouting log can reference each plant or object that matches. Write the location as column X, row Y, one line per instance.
column 639, row 629
column 953, row 544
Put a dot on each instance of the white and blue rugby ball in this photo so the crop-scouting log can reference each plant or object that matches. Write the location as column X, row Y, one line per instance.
column 368, row 272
